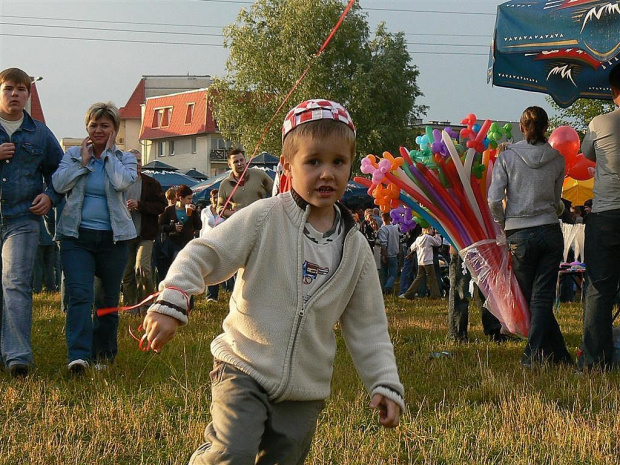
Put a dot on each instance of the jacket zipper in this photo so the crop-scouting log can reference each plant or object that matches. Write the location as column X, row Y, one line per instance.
column 299, row 317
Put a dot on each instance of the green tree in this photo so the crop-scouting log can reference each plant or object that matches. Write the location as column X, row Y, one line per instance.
column 579, row 114
column 273, row 42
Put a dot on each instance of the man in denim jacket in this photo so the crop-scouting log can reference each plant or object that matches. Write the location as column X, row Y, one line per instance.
column 29, row 154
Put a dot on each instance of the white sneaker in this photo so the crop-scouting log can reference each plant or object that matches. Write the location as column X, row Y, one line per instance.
column 211, row 299
column 401, row 296
column 78, row 366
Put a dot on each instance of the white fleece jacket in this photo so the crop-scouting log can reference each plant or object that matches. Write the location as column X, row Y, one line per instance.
column 288, row 348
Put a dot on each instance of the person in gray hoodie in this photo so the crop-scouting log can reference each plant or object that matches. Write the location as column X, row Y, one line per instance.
column 524, row 198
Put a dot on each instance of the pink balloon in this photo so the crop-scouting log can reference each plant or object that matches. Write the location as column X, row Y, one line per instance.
column 582, row 168
column 566, row 141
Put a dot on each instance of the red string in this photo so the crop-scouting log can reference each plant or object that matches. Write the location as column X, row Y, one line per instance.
column 108, row 310
column 286, row 99
column 148, row 299
column 331, row 34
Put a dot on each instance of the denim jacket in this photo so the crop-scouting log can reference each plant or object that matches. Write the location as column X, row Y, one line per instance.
column 70, row 179
column 37, row 155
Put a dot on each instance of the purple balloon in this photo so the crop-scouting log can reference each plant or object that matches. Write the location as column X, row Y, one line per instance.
column 451, row 132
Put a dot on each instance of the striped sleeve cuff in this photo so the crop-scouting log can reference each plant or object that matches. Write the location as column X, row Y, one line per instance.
column 392, row 394
column 174, row 303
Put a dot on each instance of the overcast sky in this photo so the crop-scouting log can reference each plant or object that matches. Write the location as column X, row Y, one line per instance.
column 88, row 51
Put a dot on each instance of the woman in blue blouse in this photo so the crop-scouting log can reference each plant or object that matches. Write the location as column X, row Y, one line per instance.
column 93, row 229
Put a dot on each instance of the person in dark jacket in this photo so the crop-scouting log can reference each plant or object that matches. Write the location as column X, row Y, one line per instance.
column 180, row 222
column 145, row 201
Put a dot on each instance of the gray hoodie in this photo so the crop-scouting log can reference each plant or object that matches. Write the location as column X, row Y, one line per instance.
column 529, row 177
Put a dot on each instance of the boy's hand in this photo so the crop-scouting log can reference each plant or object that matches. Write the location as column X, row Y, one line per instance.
column 159, row 329
column 389, row 411
column 41, row 204
column 7, row 150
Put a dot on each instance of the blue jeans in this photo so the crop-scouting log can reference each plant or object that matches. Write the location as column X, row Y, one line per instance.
column 407, row 273
column 536, row 255
column 391, row 272
column 93, row 254
column 20, row 239
column 602, row 258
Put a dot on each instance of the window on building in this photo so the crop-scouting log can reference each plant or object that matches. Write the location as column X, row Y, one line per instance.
column 194, row 145
column 156, row 119
column 165, row 119
column 160, row 149
column 189, row 114
column 171, row 147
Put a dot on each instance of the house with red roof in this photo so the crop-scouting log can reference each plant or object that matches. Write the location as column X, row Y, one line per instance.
column 33, row 106
column 151, row 86
column 179, row 130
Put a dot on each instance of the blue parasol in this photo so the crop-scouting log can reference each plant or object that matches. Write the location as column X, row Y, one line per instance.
column 168, row 179
column 564, row 48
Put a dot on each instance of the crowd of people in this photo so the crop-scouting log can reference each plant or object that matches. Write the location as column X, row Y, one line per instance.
column 274, row 359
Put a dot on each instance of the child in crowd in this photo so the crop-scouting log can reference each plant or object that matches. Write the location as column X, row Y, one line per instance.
column 423, row 246
column 273, row 362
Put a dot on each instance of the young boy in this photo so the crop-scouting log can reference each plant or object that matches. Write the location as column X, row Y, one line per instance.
column 29, row 154
column 303, row 267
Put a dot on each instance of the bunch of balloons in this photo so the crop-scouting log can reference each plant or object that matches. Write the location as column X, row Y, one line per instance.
column 445, row 183
column 566, row 141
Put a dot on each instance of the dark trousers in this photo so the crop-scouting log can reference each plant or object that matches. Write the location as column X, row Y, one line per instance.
column 44, row 273
column 602, row 258
column 213, row 291
column 536, row 256
column 458, row 304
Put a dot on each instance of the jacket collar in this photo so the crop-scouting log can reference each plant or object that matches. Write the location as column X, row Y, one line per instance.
column 28, row 124
column 347, row 218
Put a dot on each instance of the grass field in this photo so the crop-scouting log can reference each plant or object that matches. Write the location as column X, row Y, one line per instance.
column 477, row 406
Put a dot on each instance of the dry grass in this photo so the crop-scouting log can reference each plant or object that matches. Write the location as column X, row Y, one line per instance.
column 478, row 406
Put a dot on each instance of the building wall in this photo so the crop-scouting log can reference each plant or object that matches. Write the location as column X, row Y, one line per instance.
column 129, row 133
column 183, row 158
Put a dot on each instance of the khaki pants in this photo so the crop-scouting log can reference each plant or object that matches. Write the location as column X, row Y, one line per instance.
column 247, row 428
column 431, row 282
column 138, row 278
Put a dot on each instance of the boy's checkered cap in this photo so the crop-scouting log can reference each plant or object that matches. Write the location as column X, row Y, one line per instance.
column 314, row 110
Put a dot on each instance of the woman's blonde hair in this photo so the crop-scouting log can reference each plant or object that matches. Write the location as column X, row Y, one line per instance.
column 104, row 110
